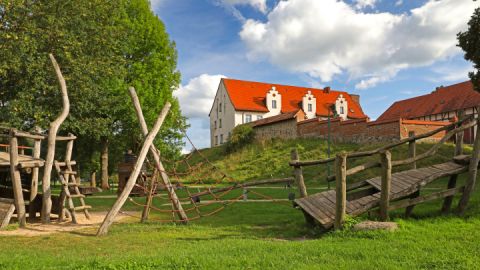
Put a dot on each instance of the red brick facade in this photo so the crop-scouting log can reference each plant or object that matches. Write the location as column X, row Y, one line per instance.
column 363, row 131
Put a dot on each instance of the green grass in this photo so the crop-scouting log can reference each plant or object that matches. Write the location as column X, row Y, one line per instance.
column 261, row 235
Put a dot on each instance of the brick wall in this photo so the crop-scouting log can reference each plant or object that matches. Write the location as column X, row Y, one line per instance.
column 363, row 131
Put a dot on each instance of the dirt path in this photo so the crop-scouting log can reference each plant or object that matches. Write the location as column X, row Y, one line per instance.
column 39, row 229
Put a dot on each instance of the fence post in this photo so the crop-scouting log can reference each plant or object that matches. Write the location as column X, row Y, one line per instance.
column 412, row 149
column 472, row 171
column 340, row 189
column 35, row 173
column 452, row 182
column 16, row 181
column 299, row 175
column 386, row 161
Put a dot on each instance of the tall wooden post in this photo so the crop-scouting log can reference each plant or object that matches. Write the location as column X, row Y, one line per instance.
column 110, row 217
column 177, row 205
column 16, row 181
column 52, row 135
column 302, row 189
column 472, row 171
column 93, row 179
column 35, row 172
column 386, row 161
column 452, row 182
column 341, row 189
column 412, row 149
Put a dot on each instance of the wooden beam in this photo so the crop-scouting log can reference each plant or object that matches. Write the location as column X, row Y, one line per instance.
column 412, row 149
column 110, row 217
column 472, row 172
column 17, row 182
column 341, row 190
column 6, row 219
column 35, row 173
column 425, row 198
column 298, row 172
column 177, row 205
column 52, row 134
column 386, row 160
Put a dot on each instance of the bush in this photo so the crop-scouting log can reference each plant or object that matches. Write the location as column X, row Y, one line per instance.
column 241, row 136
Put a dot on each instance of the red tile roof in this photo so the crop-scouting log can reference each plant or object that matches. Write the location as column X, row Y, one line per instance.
column 444, row 99
column 250, row 96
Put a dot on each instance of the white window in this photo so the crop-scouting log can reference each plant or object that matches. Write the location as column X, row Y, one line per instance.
column 221, row 138
column 248, row 118
column 310, row 107
column 274, row 104
column 341, row 110
column 220, row 123
column 259, row 117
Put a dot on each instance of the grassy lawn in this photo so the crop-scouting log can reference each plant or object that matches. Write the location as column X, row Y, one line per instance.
column 259, row 235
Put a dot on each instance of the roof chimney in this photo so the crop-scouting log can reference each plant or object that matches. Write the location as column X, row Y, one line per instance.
column 326, row 90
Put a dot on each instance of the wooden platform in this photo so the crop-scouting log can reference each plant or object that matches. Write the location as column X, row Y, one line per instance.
column 321, row 206
column 24, row 161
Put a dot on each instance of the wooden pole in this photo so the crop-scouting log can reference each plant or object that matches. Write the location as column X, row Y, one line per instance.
column 386, row 161
column 298, row 172
column 156, row 157
column 35, row 173
column 16, row 181
column 341, row 189
column 52, row 134
column 93, row 179
column 110, row 217
column 412, row 149
column 452, row 182
column 472, row 171
column 151, row 187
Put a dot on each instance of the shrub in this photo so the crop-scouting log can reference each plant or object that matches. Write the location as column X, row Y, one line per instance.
column 241, row 135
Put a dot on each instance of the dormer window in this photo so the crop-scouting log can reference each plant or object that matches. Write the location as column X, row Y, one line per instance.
column 310, row 107
column 341, row 106
column 342, row 110
column 274, row 104
column 273, row 101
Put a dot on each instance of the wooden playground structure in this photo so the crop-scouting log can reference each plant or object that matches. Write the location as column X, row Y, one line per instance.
column 390, row 190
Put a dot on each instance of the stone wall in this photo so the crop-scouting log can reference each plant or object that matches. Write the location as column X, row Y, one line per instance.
column 286, row 129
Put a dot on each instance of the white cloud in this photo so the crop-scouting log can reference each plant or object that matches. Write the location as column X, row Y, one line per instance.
column 452, row 73
column 361, row 4
column 399, row 3
column 196, row 97
column 260, row 5
column 155, row 4
column 329, row 37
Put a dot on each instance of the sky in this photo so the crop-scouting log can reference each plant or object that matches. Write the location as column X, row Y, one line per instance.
column 382, row 50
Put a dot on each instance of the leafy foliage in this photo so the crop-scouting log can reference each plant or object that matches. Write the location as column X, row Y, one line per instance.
column 240, row 137
column 469, row 41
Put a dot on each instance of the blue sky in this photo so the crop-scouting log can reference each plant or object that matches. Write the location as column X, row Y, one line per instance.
column 383, row 50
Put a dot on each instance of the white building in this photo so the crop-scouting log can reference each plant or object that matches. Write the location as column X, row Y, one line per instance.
column 238, row 102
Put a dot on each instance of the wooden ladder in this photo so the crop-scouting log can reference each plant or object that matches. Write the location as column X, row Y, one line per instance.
column 67, row 174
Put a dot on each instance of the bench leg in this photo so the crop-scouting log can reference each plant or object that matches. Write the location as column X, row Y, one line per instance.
column 409, row 209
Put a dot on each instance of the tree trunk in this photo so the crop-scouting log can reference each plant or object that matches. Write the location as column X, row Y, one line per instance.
column 93, row 179
column 104, row 158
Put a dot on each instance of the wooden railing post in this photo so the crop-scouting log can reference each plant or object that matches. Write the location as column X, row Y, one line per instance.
column 412, row 149
column 298, row 172
column 16, row 181
column 340, row 189
column 472, row 171
column 386, row 161
column 452, row 182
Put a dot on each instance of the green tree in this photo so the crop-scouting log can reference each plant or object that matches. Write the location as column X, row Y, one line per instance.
column 469, row 41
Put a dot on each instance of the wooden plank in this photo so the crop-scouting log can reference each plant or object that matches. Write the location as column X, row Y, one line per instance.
column 308, row 206
column 386, row 160
column 429, row 197
column 17, row 182
column 341, row 189
column 299, row 175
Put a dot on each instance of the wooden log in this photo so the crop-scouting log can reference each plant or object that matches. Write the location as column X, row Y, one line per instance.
column 447, row 203
column 70, row 137
column 472, row 171
column 6, row 218
column 459, row 139
column 386, row 160
column 244, row 185
column 409, row 209
column 17, row 182
column 156, row 157
column 341, row 190
column 357, row 169
column 412, row 149
column 35, row 173
column 52, row 134
column 298, row 172
column 22, row 134
column 110, row 217
column 151, row 187
column 425, row 198
column 93, row 179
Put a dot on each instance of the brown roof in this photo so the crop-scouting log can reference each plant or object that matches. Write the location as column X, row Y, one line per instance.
column 277, row 118
column 444, row 99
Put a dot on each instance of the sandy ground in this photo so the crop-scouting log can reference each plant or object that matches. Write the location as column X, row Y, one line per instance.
column 39, row 229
